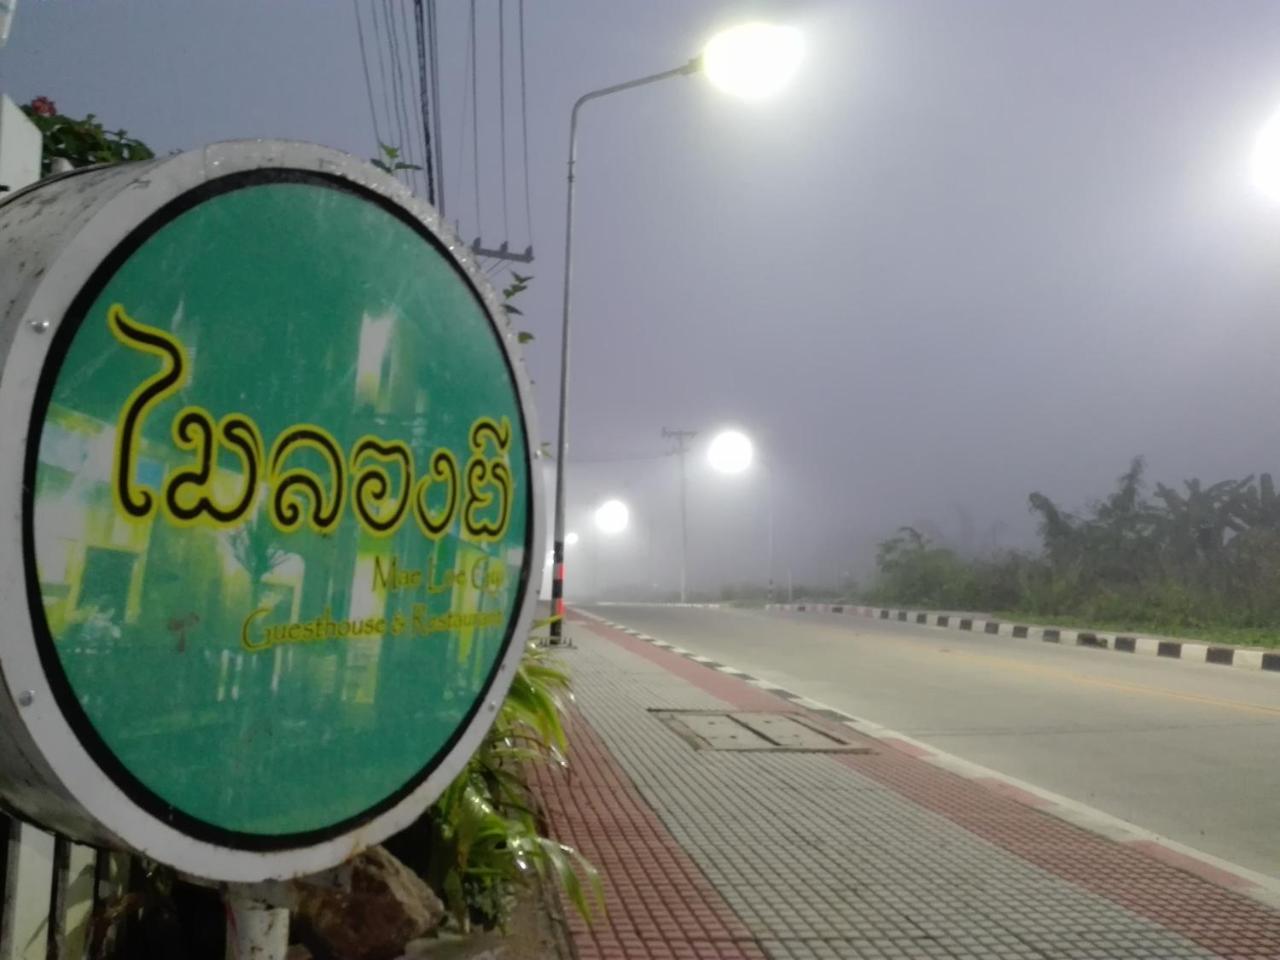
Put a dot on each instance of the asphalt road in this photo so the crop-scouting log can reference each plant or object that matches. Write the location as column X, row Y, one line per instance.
column 1190, row 751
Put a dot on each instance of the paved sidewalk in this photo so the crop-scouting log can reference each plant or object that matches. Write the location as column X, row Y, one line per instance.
column 726, row 855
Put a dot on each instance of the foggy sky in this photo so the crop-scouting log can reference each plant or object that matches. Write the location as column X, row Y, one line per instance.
column 977, row 249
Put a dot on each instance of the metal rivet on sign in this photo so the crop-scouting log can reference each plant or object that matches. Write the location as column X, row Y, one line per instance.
column 26, row 698
column 40, row 324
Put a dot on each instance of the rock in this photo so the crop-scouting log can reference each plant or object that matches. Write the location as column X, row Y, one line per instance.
column 387, row 906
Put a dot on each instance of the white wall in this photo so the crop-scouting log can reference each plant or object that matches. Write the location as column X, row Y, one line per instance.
column 20, row 146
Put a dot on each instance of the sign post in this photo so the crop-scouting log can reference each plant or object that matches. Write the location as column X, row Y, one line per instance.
column 270, row 515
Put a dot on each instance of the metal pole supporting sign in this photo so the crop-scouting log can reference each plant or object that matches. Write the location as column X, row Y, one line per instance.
column 270, row 514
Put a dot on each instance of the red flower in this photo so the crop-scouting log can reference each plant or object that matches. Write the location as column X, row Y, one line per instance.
column 44, row 107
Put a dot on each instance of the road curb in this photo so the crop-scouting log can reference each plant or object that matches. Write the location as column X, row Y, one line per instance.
column 1243, row 658
column 1256, row 886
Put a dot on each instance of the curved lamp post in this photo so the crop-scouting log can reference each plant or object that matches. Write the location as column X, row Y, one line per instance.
column 751, row 61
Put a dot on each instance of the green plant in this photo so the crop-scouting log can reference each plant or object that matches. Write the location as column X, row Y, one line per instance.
column 389, row 161
column 483, row 840
column 518, row 285
column 81, row 142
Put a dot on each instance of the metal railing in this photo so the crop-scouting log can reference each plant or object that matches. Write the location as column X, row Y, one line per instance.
column 51, row 889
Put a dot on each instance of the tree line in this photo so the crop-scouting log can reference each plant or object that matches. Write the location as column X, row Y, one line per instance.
column 1195, row 555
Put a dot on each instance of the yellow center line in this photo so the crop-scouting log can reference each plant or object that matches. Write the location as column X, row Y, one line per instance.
column 1080, row 679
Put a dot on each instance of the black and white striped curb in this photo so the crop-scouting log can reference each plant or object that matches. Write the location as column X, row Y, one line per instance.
column 1121, row 643
column 1257, row 886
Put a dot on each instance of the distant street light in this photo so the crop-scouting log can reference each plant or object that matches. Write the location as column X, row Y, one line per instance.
column 732, row 452
column 751, row 61
column 1266, row 158
column 570, row 539
column 612, row 517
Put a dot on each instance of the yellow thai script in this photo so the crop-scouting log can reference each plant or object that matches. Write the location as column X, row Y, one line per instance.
column 376, row 480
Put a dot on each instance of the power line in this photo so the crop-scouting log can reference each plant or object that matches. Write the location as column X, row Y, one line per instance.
column 405, row 123
column 502, row 110
column 424, row 88
column 413, row 99
column 524, row 131
column 475, row 120
column 382, row 72
column 364, row 63
column 460, row 154
column 397, row 73
column 434, row 43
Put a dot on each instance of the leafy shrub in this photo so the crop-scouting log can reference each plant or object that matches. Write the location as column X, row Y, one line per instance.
column 481, row 841
column 81, row 142
column 1204, row 555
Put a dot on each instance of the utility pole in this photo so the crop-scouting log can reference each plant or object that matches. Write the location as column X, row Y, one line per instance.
column 6, row 18
column 680, row 437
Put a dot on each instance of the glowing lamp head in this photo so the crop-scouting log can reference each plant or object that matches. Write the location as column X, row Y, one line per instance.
column 754, row 60
column 570, row 539
column 731, row 452
column 612, row 517
column 1266, row 158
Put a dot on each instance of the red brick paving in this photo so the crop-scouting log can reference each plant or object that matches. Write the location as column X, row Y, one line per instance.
column 1217, row 919
column 659, row 906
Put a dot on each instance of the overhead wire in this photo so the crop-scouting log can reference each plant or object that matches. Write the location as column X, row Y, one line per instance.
column 460, row 153
column 412, row 97
column 382, row 72
column 502, row 111
column 433, row 43
column 424, row 88
column 524, row 131
column 475, row 121
column 364, row 63
column 414, row 105
column 404, row 123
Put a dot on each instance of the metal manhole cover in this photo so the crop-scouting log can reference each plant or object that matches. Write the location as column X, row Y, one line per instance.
column 774, row 732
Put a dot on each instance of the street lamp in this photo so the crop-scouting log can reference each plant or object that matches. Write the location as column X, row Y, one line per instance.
column 752, row 61
column 612, row 517
column 732, row 452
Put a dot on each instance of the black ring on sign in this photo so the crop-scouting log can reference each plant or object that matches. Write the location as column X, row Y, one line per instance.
column 68, row 704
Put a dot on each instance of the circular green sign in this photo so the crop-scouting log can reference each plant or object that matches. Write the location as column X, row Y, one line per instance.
column 280, row 509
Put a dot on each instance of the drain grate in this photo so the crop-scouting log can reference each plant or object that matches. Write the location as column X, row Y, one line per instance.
column 746, row 732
